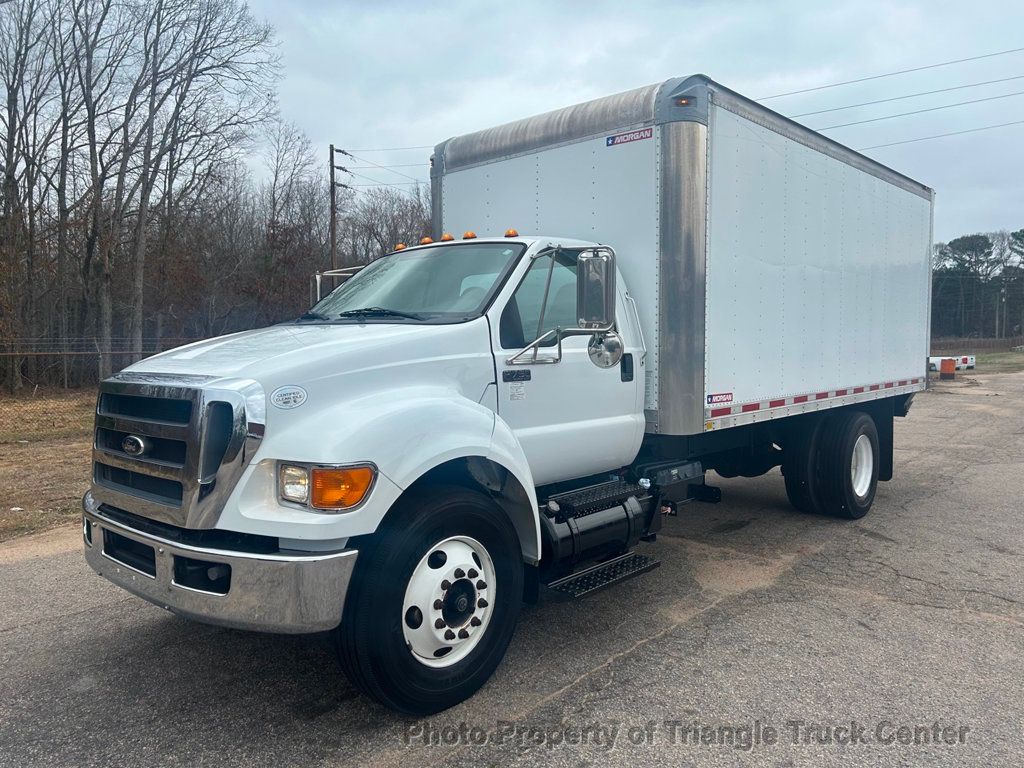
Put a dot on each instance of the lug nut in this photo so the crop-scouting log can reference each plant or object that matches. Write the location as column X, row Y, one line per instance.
column 475, row 622
column 439, row 624
column 481, row 603
column 472, row 573
column 481, row 584
column 449, row 635
column 446, row 585
column 459, row 573
column 463, row 634
column 438, row 604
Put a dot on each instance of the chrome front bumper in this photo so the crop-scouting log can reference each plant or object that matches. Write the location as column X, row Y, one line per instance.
column 283, row 593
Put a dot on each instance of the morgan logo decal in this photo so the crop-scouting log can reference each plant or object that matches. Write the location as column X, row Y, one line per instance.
column 724, row 397
column 287, row 397
column 625, row 138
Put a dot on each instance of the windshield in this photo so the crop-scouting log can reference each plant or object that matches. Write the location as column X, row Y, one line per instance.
column 443, row 283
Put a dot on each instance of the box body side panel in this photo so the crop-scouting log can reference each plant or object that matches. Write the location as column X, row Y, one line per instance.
column 817, row 272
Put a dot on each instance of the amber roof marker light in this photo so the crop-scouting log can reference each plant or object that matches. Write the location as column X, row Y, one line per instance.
column 400, row 247
column 426, row 240
column 469, row 235
column 446, row 237
column 511, row 232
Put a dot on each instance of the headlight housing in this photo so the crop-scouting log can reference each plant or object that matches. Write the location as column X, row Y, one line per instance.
column 324, row 487
column 293, row 483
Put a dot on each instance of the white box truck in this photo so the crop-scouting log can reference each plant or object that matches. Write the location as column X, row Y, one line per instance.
column 700, row 284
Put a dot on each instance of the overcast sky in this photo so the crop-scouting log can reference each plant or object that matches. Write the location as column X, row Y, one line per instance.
column 395, row 74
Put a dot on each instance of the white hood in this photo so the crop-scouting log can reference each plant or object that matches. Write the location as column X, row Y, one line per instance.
column 268, row 352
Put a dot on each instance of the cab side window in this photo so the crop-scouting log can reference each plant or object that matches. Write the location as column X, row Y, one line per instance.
column 528, row 316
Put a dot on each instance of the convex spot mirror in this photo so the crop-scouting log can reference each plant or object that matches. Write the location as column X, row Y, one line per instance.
column 595, row 289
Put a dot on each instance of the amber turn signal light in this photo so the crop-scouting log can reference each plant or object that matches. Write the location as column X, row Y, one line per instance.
column 511, row 233
column 426, row 240
column 340, row 487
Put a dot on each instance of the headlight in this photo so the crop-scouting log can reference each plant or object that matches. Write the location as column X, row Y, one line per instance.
column 330, row 489
column 293, row 483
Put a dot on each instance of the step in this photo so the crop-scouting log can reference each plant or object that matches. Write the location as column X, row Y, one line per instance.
column 591, row 499
column 604, row 574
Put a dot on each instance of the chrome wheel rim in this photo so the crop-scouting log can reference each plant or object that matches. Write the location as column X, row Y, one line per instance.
column 862, row 466
column 448, row 601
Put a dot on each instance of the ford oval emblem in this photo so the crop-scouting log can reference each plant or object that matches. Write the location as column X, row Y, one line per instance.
column 289, row 396
column 133, row 445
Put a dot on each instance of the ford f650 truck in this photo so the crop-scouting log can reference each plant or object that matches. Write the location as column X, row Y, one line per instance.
column 702, row 284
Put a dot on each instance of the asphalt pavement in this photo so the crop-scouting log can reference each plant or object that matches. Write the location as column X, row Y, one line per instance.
column 767, row 637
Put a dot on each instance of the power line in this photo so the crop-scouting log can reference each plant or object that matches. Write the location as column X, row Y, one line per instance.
column 941, row 135
column 382, row 184
column 392, row 149
column 410, row 165
column 377, row 165
column 398, row 185
column 890, row 74
column 919, row 111
column 908, row 96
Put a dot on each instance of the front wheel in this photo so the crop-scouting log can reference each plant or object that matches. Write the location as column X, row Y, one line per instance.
column 434, row 601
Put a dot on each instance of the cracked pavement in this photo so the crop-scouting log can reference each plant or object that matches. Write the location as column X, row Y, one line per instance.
column 759, row 618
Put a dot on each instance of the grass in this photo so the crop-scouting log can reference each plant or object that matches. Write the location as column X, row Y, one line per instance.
column 47, row 415
column 45, row 439
column 1003, row 361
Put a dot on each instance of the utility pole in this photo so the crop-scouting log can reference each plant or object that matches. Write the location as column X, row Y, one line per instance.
column 334, row 202
column 334, row 215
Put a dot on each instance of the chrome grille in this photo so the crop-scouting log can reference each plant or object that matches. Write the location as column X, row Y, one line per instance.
column 172, row 448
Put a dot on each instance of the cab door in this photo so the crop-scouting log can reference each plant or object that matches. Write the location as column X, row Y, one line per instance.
column 572, row 416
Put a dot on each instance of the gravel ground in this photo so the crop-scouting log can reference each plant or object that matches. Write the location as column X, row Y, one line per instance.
column 767, row 637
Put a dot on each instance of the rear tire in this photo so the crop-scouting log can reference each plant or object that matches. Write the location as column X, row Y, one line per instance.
column 800, row 466
column 848, row 465
column 388, row 626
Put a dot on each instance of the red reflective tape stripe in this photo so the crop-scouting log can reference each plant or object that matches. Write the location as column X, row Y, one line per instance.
column 858, row 390
column 751, row 407
column 903, row 383
column 840, row 392
column 873, row 387
column 776, row 403
column 800, row 399
column 821, row 396
column 720, row 412
column 888, row 385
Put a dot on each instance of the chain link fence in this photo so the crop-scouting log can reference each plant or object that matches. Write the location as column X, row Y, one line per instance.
column 48, row 388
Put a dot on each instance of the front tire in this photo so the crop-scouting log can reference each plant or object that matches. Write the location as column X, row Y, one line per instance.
column 434, row 601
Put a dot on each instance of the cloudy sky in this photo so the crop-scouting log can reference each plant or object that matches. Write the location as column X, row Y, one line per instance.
column 382, row 74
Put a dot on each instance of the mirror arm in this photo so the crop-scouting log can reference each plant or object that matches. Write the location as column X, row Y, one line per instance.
column 560, row 333
column 544, row 301
column 534, row 345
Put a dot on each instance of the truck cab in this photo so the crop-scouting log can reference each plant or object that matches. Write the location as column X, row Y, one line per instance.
column 236, row 480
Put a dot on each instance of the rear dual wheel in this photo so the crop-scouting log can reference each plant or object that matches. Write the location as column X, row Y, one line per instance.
column 831, row 465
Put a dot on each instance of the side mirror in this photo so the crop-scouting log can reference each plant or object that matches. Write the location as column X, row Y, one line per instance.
column 595, row 289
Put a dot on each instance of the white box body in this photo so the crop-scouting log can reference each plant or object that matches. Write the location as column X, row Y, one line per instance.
column 774, row 270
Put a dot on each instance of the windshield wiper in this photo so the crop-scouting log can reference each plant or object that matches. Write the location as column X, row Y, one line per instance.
column 311, row 315
column 378, row 312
